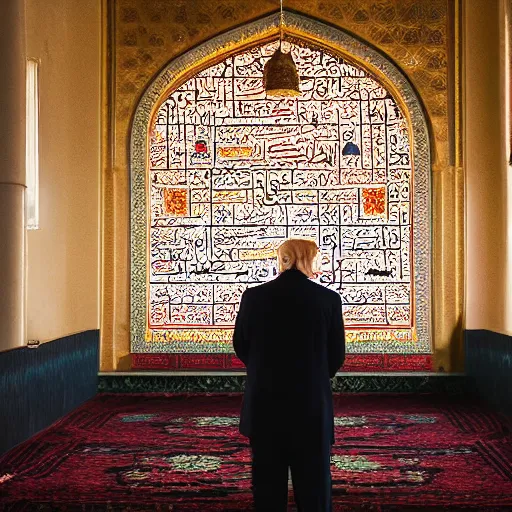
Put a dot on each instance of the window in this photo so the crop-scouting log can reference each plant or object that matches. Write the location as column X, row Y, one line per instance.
column 32, row 145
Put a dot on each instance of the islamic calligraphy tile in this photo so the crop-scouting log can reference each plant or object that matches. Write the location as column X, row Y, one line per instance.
column 374, row 201
column 235, row 152
column 334, row 165
column 282, row 183
column 176, row 201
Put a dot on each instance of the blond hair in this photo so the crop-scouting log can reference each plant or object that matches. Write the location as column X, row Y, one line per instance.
column 297, row 253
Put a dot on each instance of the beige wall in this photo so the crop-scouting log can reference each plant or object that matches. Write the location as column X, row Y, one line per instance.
column 63, row 261
column 488, row 280
column 507, row 84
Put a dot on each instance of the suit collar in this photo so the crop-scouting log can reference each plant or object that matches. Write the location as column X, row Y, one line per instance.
column 293, row 273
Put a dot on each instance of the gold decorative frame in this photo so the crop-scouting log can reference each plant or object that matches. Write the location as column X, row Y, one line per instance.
column 447, row 206
column 218, row 48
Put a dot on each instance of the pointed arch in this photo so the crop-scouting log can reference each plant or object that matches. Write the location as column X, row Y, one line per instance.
column 337, row 41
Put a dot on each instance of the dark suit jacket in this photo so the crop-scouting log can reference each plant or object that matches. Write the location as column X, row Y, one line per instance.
column 289, row 333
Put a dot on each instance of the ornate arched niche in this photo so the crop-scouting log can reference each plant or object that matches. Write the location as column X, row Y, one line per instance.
column 221, row 175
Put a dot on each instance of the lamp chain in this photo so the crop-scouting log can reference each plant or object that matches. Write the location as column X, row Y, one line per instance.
column 281, row 23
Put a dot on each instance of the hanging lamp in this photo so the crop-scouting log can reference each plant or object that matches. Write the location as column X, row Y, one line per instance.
column 280, row 76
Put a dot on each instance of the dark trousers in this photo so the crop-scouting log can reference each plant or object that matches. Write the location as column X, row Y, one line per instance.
column 309, row 461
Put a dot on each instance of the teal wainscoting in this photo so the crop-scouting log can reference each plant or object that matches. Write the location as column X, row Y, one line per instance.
column 40, row 385
column 489, row 367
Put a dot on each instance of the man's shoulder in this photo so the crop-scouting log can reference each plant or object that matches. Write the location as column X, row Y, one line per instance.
column 258, row 288
column 324, row 292
column 255, row 290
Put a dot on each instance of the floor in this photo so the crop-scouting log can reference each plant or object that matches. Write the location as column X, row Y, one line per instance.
column 179, row 453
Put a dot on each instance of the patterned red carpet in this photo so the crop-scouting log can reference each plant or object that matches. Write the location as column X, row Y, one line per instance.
column 183, row 453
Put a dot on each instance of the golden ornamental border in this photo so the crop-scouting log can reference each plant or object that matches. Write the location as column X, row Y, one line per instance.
column 336, row 41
